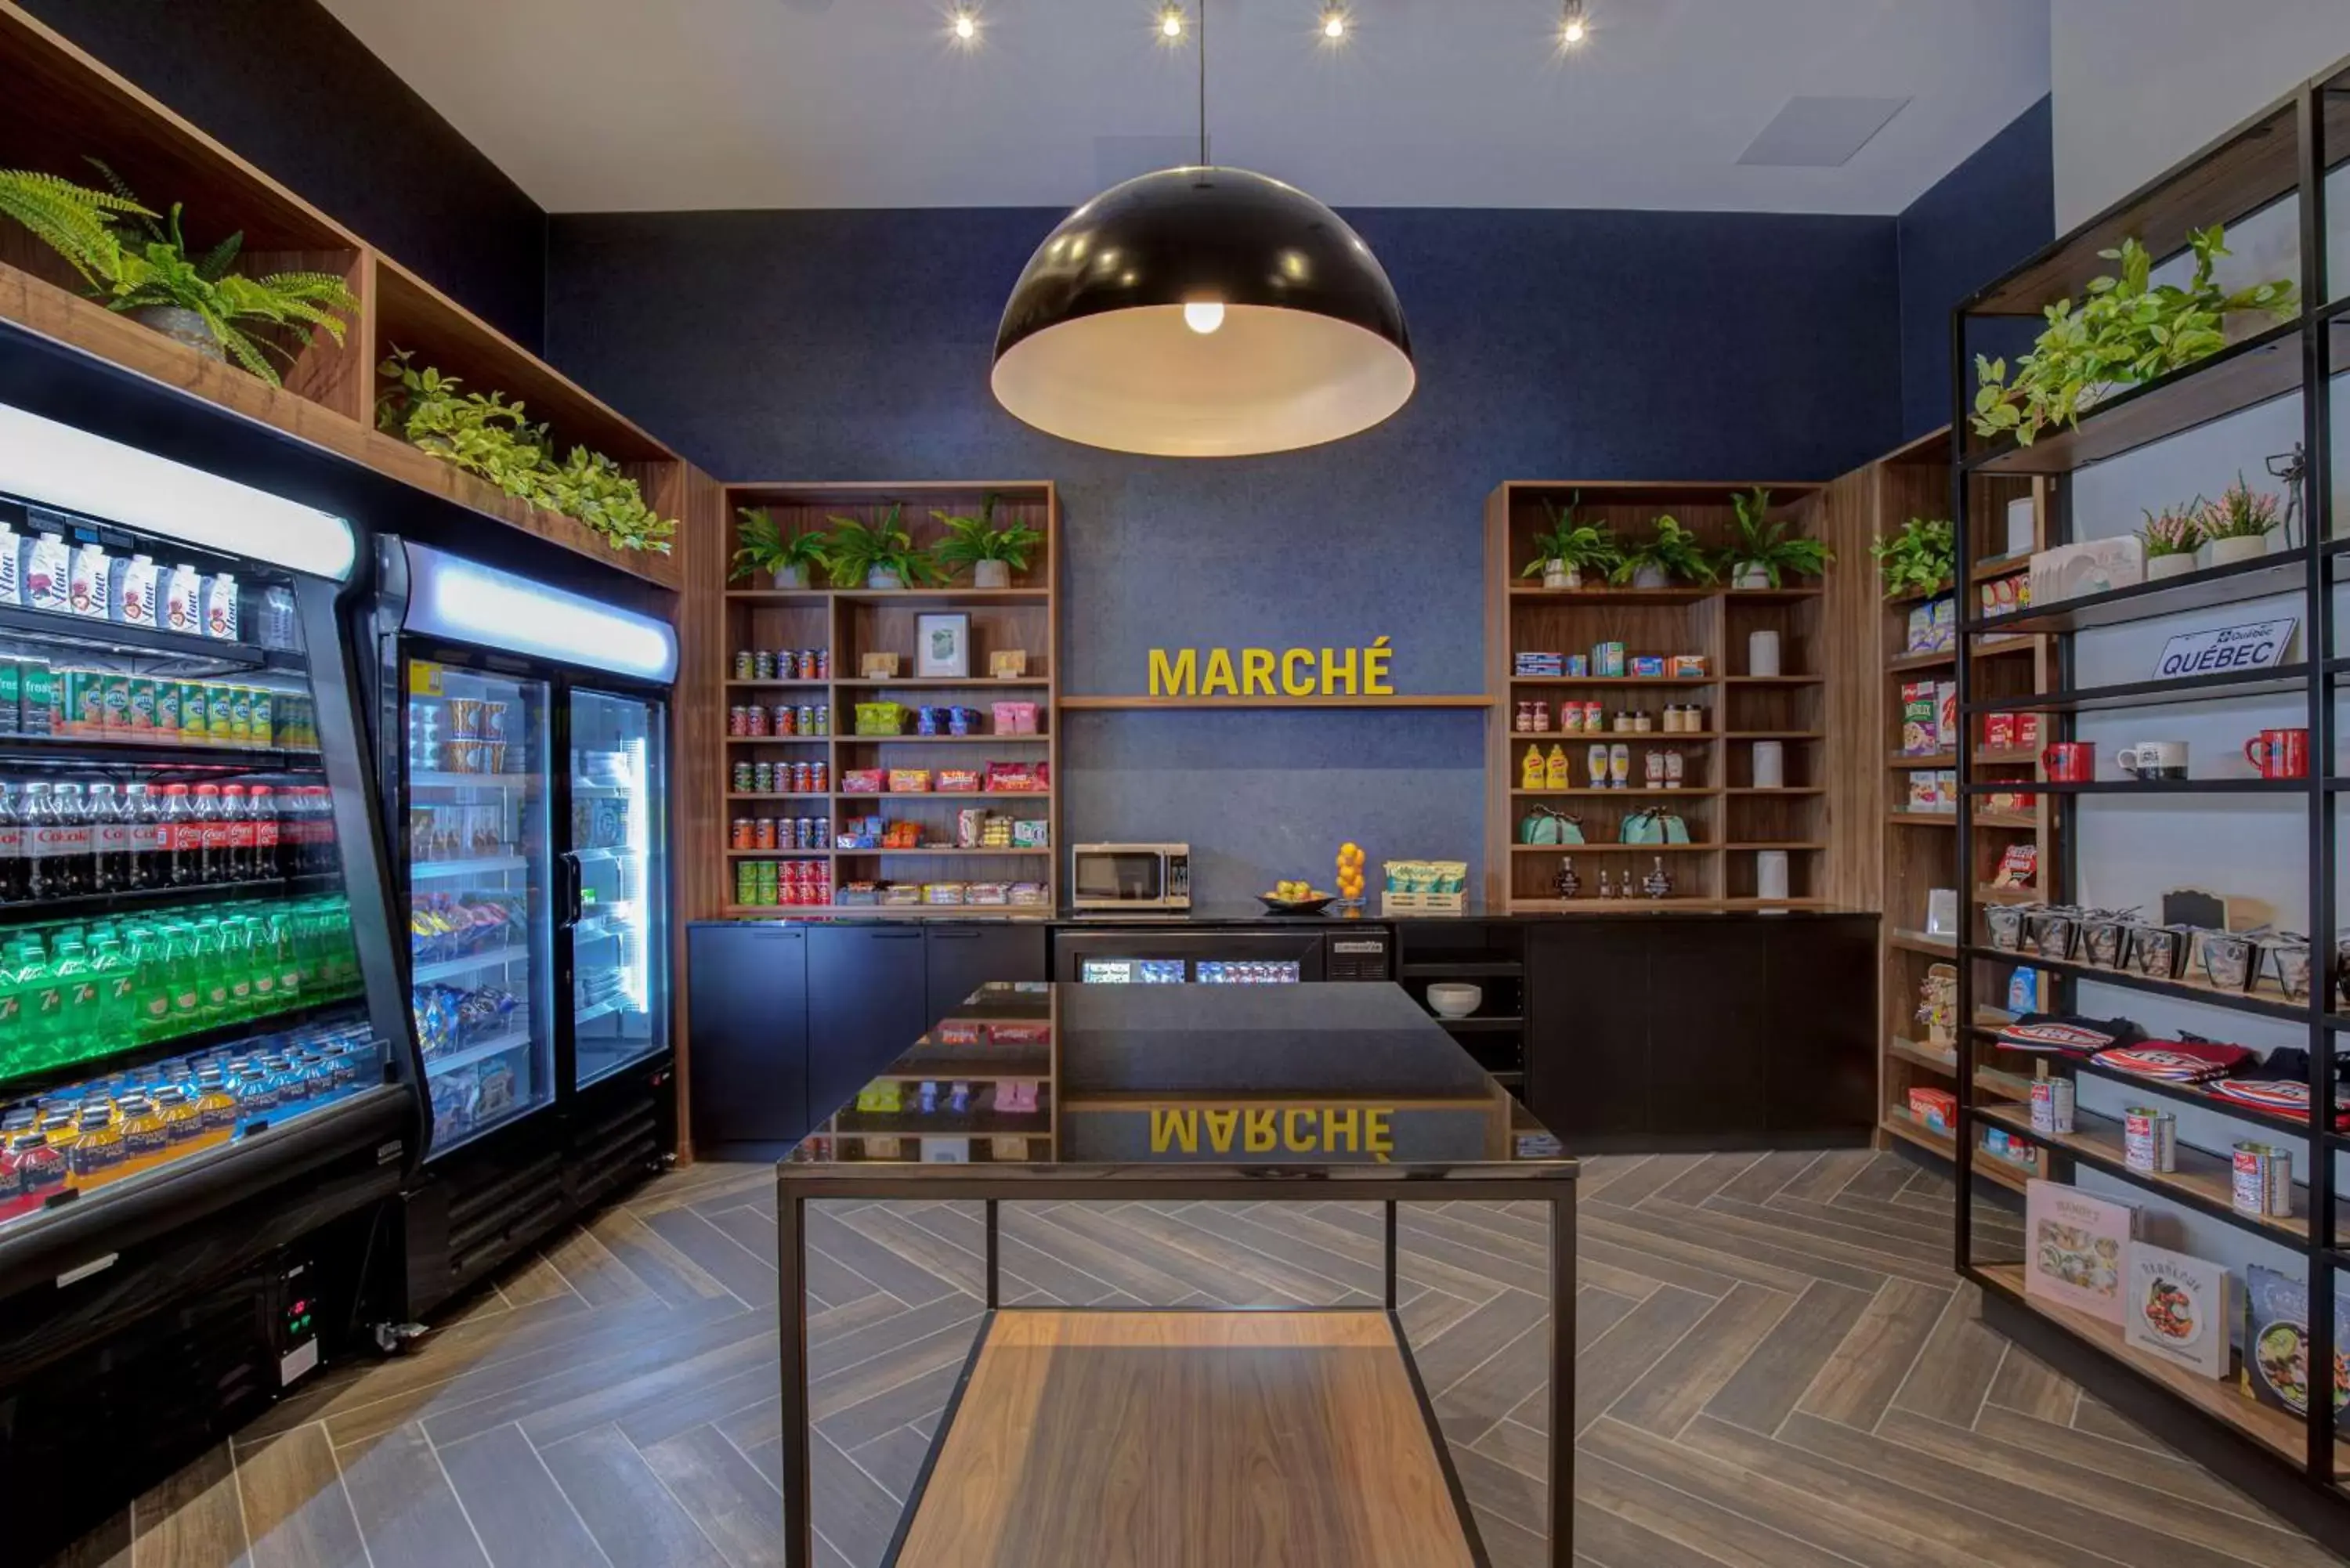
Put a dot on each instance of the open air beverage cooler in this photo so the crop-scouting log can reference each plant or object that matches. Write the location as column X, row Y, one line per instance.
column 525, row 779
column 199, row 1101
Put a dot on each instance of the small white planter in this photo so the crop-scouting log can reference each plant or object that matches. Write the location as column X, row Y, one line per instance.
column 1559, row 574
column 2225, row 552
column 2160, row 566
column 991, row 574
column 791, row 576
column 1751, row 574
column 879, row 578
column 1651, row 578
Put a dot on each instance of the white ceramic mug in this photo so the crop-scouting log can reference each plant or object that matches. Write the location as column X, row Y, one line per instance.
column 2152, row 760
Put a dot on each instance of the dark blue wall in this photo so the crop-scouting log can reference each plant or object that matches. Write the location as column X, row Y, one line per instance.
column 855, row 345
column 289, row 87
column 1982, row 218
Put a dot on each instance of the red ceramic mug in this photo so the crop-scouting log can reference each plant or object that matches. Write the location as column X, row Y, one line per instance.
column 2070, row 762
column 2279, row 753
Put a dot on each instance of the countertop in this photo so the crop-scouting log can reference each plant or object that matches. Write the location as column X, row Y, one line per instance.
column 1255, row 914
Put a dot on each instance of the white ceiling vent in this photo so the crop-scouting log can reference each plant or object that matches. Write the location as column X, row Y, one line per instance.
column 1821, row 132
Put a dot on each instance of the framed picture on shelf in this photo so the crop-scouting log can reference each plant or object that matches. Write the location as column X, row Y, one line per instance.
column 942, row 644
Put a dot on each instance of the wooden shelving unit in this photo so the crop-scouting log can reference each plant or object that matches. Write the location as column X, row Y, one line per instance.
column 850, row 622
column 2266, row 166
column 1729, row 818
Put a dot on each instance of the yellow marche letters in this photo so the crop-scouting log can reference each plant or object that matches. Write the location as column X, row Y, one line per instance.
column 1275, row 1129
column 1262, row 673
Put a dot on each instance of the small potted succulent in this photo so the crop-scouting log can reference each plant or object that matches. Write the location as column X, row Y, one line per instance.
column 993, row 553
column 790, row 562
column 1570, row 546
column 879, row 554
column 2237, row 527
column 1760, row 552
column 1673, row 552
column 1918, row 559
column 2170, row 536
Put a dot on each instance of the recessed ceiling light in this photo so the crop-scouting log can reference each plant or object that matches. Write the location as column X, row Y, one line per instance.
column 1170, row 23
column 1574, row 26
column 1334, row 23
column 963, row 25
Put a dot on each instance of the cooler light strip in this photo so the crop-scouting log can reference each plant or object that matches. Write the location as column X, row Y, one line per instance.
column 74, row 471
column 451, row 596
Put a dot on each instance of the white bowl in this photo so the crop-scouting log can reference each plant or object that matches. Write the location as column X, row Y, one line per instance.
column 1454, row 999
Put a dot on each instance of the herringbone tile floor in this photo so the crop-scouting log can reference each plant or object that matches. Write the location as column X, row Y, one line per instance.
column 1774, row 1369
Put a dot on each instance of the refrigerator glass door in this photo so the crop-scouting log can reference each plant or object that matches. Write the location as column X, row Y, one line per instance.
column 618, row 849
column 481, row 895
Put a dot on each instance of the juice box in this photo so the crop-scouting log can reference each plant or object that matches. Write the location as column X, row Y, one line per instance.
column 11, row 686
column 114, row 700
column 85, row 702
column 39, row 713
column 240, row 715
column 220, row 715
column 142, row 706
column 264, row 722
column 167, row 710
column 195, row 725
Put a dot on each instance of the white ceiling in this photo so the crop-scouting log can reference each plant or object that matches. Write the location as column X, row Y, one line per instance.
column 658, row 105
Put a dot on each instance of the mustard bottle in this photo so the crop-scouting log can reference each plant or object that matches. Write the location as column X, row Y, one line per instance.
column 1531, row 775
column 1557, row 768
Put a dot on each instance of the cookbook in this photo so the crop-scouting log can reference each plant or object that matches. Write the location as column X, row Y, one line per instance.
column 2075, row 1244
column 2178, row 1308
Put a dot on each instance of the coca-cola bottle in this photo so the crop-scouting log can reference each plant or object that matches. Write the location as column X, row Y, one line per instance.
column 183, row 837
column 318, row 831
column 237, row 817
column 211, row 836
column 143, row 814
column 268, row 840
column 52, row 868
column 12, row 847
column 110, row 833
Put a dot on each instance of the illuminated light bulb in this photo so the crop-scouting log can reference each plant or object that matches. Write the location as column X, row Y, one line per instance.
column 965, row 27
column 1171, row 22
column 1573, row 27
column 1203, row 316
column 1333, row 24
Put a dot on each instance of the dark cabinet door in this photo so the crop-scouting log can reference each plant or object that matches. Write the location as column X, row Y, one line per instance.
column 1708, row 1025
column 961, row 958
column 747, row 1004
column 867, row 1006
column 1586, row 1029
column 1822, row 1027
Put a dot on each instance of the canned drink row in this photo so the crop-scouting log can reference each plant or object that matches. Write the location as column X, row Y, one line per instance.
column 783, row 778
column 782, row 664
column 786, row 718
column 780, row 833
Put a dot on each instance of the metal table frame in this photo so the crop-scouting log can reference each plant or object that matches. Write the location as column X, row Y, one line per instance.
column 1498, row 1182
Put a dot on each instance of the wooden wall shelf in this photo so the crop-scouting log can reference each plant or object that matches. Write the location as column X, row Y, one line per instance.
column 1726, row 812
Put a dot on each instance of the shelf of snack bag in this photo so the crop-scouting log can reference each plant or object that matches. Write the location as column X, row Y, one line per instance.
column 974, row 1090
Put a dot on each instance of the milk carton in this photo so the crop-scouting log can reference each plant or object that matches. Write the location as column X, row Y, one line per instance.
column 86, row 584
column 12, row 567
column 49, row 573
column 219, row 606
column 183, row 609
column 137, row 585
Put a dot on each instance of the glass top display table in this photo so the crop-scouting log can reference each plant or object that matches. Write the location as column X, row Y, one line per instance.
column 1172, row 1437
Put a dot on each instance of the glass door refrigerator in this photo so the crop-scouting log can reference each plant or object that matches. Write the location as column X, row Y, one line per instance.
column 203, row 1119
column 525, row 785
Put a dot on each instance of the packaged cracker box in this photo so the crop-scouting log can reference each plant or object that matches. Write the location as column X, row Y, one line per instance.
column 1920, row 720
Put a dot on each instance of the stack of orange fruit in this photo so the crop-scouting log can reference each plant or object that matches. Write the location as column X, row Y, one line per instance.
column 1350, row 870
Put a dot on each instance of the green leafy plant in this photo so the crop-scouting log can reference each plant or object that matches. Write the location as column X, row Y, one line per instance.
column 1672, row 549
column 1575, row 544
column 2173, row 531
column 1755, row 540
column 135, row 260
column 2128, row 330
column 485, row 435
column 765, row 548
column 970, row 540
column 854, row 550
column 2240, row 512
column 1919, row 558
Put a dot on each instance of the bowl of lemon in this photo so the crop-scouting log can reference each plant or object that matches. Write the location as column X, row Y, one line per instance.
column 1296, row 898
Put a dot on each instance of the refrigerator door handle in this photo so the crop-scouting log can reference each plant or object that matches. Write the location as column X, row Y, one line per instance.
column 574, row 887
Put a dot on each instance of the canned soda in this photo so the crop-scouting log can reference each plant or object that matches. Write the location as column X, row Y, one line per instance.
column 2149, row 1139
column 757, row 719
column 807, row 720
column 739, row 833
column 763, row 664
column 743, row 784
column 767, row 881
column 803, row 778
column 743, row 665
column 765, row 837
column 786, row 662
column 738, row 719
column 763, row 778
column 820, row 777
column 823, row 832
column 262, row 724
column 2052, row 1105
column 822, row 719
column 822, row 657
column 784, row 724
column 2262, row 1181
column 746, row 883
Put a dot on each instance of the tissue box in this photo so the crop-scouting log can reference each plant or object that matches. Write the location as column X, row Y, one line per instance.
column 2097, row 566
column 1649, row 666
column 1936, row 1108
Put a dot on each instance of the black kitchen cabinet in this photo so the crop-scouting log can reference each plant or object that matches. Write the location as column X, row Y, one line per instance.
column 1657, row 1031
column 959, row 958
column 868, row 1003
column 747, row 1000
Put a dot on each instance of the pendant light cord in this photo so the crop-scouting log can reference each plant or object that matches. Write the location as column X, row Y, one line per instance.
column 1203, row 83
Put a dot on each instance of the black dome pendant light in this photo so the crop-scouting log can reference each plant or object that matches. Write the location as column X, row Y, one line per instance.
column 1203, row 312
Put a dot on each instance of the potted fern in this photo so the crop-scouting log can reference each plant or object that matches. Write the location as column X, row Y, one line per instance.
column 2170, row 537
column 137, row 263
column 1761, row 552
column 2239, row 524
column 1673, row 552
column 993, row 553
column 1918, row 559
column 787, row 561
column 1571, row 547
column 876, row 554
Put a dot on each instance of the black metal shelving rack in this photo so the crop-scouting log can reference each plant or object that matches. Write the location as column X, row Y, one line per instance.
column 2282, row 154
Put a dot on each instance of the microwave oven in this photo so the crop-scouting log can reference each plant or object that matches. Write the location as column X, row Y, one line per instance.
column 1130, row 876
